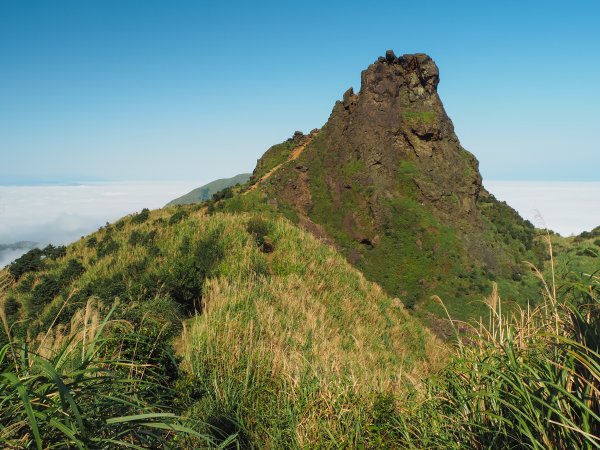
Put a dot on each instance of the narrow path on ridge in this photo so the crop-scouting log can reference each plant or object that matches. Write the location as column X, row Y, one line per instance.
column 293, row 156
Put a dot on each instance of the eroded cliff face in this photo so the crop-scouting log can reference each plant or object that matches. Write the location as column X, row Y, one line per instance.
column 398, row 121
column 388, row 182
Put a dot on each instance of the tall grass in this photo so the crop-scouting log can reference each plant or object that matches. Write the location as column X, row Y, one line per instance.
column 288, row 347
column 302, row 354
column 527, row 380
column 84, row 387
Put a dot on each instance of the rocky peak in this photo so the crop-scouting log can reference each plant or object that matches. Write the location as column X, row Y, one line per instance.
column 415, row 71
column 397, row 120
column 387, row 180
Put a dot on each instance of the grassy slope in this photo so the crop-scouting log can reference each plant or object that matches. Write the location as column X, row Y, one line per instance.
column 274, row 156
column 290, row 346
column 206, row 192
column 295, row 349
column 417, row 255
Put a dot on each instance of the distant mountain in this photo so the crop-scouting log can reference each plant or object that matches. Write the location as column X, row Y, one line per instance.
column 206, row 192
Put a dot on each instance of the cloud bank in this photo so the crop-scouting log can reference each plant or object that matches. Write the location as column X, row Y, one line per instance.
column 62, row 214
column 565, row 207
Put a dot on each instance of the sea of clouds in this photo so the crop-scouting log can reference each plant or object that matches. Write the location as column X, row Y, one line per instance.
column 62, row 214
column 567, row 207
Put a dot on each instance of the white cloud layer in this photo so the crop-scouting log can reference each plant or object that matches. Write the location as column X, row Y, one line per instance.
column 62, row 214
column 565, row 207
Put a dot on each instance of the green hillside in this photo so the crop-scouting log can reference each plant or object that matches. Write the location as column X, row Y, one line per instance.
column 206, row 192
column 181, row 329
column 235, row 296
column 578, row 254
column 387, row 182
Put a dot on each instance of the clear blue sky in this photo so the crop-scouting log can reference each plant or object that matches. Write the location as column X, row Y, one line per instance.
column 193, row 90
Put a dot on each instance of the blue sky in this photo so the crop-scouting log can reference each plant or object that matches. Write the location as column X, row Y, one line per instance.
column 192, row 90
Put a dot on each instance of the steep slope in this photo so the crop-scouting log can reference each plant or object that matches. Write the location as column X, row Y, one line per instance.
column 206, row 192
column 388, row 182
column 239, row 296
column 182, row 260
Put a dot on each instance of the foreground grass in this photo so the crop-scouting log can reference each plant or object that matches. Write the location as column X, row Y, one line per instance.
column 93, row 388
column 305, row 355
column 278, row 343
column 529, row 380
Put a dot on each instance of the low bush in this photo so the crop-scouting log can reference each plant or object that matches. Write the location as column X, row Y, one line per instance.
column 106, row 247
column 29, row 262
column 178, row 217
column 184, row 279
column 91, row 242
column 141, row 217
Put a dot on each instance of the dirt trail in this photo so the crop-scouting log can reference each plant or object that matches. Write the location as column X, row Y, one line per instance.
column 293, row 156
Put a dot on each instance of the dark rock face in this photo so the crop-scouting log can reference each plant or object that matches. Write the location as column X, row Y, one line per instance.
column 398, row 116
column 297, row 137
column 387, row 176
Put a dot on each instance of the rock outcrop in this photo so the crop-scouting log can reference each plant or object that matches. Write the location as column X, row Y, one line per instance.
column 387, row 180
column 398, row 118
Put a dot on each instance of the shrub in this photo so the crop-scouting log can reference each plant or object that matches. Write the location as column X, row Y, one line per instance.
column 222, row 194
column 52, row 252
column 45, row 291
column 259, row 229
column 73, row 269
column 108, row 288
column 135, row 238
column 185, row 278
column 26, row 283
column 143, row 215
column 178, row 217
column 91, row 242
column 11, row 306
column 106, row 247
column 140, row 238
column 29, row 262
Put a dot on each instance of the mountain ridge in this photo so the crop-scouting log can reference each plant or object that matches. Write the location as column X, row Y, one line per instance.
column 387, row 181
column 205, row 192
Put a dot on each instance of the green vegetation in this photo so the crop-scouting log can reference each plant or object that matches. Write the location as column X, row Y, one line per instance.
column 262, row 334
column 33, row 260
column 83, row 387
column 424, row 117
column 579, row 254
column 530, row 380
column 206, row 192
column 192, row 346
column 274, row 156
column 410, row 252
